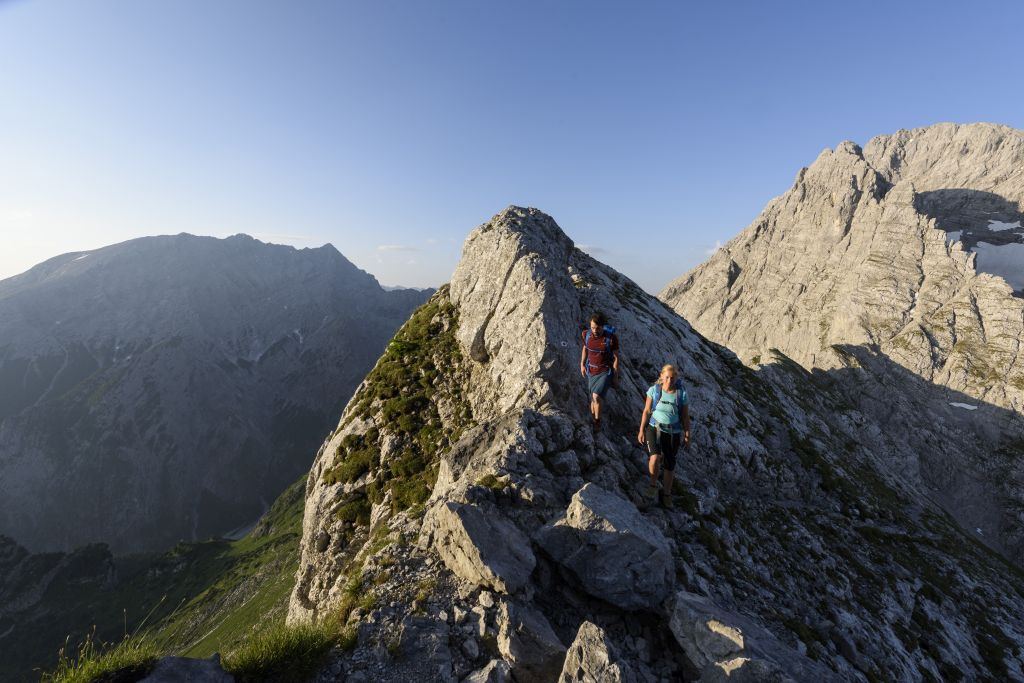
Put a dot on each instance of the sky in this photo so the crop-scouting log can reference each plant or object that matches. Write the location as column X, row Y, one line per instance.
column 652, row 132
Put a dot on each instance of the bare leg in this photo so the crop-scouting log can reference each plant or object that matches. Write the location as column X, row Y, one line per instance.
column 666, row 482
column 595, row 406
column 652, row 468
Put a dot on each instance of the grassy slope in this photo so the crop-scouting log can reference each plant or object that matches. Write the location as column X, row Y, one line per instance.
column 200, row 598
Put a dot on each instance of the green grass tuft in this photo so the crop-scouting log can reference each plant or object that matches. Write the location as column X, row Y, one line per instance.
column 282, row 653
column 95, row 661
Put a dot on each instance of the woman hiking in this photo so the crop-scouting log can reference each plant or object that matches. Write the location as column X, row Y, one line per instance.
column 665, row 423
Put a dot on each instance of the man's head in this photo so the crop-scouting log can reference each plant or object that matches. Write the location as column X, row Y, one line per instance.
column 597, row 323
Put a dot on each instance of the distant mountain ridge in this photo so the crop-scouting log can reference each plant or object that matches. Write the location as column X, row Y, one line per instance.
column 158, row 389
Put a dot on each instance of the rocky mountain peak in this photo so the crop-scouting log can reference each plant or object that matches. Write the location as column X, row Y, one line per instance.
column 896, row 273
column 464, row 522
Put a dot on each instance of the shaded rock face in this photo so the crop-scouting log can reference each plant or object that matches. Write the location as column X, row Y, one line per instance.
column 162, row 388
column 475, row 422
column 894, row 270
column 613, row 551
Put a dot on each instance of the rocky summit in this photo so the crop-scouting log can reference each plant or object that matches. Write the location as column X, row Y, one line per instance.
column 170, row 387
column 465, row 523
column 894, row 272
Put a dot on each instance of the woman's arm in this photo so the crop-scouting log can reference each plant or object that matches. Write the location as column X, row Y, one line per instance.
column 643, row 420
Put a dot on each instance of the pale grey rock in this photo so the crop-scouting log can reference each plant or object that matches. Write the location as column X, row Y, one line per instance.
column 186, row 670
column 527, row 642
column 611, row 549
column 496, row 671
column 592, row 658
column 868, row 270
column 480, row 546
column 724, row 646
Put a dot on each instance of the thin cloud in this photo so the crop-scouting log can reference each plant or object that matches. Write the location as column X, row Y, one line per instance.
column 276, row 236
column 712, row 250
column 396, row 247
column 16, row 215
column 593, row 250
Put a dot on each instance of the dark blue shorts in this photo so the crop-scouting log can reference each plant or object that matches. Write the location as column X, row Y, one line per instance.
column 599, row 384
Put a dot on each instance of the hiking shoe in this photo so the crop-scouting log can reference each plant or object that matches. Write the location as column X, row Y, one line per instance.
column 597, row 425
column 651, row 492
column 666, row 502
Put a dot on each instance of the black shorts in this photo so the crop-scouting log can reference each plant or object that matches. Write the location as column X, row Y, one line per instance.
column 667, row 446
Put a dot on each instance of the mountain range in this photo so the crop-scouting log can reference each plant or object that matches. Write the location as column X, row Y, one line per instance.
column 168, row 388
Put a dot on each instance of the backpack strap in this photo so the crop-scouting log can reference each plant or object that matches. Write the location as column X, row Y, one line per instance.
column 654, row 404
column 586, row 346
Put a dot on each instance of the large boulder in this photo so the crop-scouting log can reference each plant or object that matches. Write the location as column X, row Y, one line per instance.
column 611, row 550
column 527, row 642
column 725, row 647
column 592, row 658
column 480, row 546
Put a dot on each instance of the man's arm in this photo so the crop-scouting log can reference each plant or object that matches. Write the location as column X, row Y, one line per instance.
column 583, row 361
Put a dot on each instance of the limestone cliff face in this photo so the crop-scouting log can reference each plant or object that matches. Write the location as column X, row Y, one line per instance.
column 168, row 388
column 464, row 523
column 895, row 271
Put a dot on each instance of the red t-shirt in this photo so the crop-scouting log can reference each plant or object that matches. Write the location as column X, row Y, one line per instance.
column 599, row 351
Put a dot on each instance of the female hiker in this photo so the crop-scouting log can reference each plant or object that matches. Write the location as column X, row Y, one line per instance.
column 665, row 423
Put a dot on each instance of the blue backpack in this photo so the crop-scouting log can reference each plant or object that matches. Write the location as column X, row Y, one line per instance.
column 608, row 331
column 680, row 397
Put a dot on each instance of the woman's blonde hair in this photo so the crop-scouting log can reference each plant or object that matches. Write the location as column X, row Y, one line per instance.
column 668, row 367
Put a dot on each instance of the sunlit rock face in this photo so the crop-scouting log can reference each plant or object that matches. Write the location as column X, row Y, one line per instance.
column 895, row 272
column 168, row 388
column 464, row 522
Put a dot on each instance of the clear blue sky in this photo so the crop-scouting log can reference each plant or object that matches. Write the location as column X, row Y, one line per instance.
column 650, row 131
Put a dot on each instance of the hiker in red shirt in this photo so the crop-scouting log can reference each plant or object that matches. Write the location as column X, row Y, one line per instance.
column 599, row 363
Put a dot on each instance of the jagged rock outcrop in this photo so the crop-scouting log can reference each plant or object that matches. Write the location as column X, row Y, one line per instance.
column 592, row 658
column 896, row 271
column 827, row 567
column 168, row 388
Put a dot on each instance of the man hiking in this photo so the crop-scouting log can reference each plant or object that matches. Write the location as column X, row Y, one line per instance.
column 664, row 424
column 599, row 363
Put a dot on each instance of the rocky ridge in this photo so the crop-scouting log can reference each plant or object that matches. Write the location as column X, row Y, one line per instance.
column 464, row 523
column 163, row 388
column 877, row 270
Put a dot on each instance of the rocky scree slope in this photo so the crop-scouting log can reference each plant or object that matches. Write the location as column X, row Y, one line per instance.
column 887, row 267
column 159, row 389
column 464, row 523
